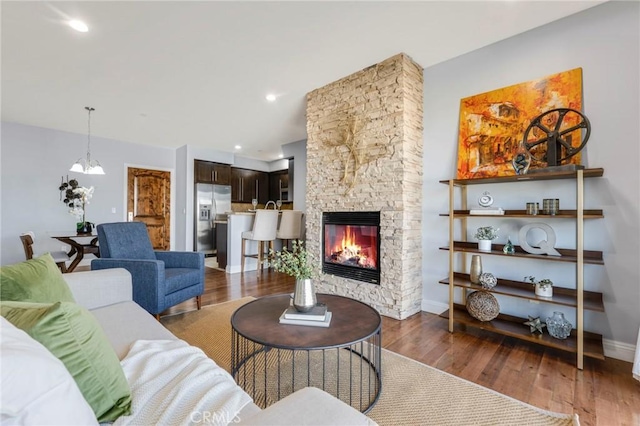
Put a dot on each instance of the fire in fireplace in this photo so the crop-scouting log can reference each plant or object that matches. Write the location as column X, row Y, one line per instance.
column 351, row 245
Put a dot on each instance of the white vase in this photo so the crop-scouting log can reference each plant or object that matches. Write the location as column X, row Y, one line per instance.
column 544, row 291
column 484, row 245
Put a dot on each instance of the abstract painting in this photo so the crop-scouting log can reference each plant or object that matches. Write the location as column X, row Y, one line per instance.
column 492, row 124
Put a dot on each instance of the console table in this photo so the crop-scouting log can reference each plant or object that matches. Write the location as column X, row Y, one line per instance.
column 270, row 360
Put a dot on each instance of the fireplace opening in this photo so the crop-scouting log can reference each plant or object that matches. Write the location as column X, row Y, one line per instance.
column 351, row 245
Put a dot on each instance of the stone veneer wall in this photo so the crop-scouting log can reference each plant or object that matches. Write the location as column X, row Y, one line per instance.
column 386, row 101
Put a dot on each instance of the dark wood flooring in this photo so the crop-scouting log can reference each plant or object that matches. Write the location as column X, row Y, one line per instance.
column 604, row 393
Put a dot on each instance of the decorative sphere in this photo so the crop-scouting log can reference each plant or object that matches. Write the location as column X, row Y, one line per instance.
column 488, row 280
column 482, row 305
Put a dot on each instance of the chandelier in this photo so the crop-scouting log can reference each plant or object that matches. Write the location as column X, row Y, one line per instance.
column 86, row 165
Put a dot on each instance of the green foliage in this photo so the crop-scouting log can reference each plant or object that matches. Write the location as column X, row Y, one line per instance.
column 486, row 233
column 294, row 263
column 543, row 283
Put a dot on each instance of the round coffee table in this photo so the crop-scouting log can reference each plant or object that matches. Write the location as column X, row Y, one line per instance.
column 270, row 360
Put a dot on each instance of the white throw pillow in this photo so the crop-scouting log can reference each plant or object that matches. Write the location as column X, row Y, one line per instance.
column 37, row 389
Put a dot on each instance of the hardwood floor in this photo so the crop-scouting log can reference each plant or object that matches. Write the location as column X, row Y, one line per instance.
column 604, row 393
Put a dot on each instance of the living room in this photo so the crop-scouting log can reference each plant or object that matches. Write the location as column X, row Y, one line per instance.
column 602, row 40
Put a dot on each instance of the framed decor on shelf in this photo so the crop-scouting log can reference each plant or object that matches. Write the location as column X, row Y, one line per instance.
column 492, row 124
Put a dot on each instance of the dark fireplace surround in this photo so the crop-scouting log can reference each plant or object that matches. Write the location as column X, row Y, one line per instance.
column 351, row 245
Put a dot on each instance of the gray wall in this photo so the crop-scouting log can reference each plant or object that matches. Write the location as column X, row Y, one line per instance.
column 604, row 41
column 298, row 151
column 33, row 161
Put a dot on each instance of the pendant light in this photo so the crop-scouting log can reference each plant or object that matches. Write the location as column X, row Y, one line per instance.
column 87, row 166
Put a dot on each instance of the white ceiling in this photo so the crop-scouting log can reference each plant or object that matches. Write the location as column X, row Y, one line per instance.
column 176, row 73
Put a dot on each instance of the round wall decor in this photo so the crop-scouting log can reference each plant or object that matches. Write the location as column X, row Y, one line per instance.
column 482, row 305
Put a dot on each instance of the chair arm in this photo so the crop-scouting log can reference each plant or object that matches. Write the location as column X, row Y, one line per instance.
column 181, row 259
column 147, row 276
column 94, row 289
column 309, row 406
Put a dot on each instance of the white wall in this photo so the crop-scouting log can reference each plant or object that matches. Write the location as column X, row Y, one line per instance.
column 604, row 41
column 33, row 161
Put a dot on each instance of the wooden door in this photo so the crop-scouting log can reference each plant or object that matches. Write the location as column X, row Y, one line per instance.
column 149, row 201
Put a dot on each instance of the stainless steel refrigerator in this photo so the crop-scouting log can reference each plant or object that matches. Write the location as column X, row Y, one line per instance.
column 212, row 203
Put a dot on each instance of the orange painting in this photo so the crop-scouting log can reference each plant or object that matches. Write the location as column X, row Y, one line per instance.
column 493, row 124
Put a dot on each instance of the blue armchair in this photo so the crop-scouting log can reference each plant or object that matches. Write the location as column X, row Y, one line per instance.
column 161, row 279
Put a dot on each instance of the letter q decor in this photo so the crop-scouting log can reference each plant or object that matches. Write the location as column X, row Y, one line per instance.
column 544, row 246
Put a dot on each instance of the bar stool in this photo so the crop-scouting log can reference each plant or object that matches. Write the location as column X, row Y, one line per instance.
column 265, row 226
column 290, row 226
column 60, row 257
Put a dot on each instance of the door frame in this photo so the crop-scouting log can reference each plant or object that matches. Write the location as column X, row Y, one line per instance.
column 172, row 179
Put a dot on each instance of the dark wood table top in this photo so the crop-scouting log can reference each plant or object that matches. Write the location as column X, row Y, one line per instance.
column 352, row 322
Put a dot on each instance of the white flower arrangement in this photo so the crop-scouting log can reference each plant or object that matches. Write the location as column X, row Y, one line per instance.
column 76, row 198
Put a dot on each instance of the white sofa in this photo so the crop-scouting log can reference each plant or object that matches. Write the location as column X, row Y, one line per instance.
column 107, row 294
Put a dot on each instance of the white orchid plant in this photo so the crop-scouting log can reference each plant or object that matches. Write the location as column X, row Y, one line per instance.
column 76, row 198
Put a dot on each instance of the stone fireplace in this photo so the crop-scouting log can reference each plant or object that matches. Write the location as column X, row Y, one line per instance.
column 364, row 156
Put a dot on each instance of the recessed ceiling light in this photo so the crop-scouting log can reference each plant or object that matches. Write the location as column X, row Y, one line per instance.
column 271, row 97
column 78, row 26
column 280, row 156
column 237, row 147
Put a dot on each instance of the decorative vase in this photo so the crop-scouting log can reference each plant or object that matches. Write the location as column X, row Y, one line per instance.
column 304, row 295
column 544, row 291
column 476, row 269
column 484, row 245
column 558, row 326
column 521, row 159
column 84, row 228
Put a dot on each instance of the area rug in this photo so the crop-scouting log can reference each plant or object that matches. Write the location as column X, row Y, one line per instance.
column 412, row 393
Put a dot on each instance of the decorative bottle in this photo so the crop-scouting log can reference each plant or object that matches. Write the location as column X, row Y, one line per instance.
column 521, row 159
column 558, row 326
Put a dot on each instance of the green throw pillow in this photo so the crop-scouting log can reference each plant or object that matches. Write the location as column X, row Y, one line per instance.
column 35, row 280
column 74, row 336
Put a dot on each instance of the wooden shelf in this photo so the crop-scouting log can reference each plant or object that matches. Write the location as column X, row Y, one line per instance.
column 513, row 326
column 561, row 295
column 568, row 255
column 566, row 214
column 587, row 173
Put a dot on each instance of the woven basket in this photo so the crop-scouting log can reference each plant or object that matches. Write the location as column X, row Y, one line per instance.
column 482, row 305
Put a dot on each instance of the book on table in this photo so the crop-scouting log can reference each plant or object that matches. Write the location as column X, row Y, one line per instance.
column 325, row 323
column 317, row 313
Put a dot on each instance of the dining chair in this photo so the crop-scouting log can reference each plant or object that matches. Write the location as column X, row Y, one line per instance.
column 28, row 240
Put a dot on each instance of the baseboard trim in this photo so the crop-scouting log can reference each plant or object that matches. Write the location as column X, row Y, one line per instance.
column 619, row 350
column 434, row 307
column 612, row 349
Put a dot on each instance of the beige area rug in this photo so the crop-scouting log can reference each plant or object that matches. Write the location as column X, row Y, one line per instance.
column 412, row 393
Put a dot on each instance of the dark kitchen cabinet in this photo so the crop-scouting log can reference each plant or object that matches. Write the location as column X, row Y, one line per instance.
column 279, row 188
column 249, row 184
column 210, row 172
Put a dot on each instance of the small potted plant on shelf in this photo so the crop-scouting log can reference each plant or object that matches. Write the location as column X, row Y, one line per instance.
column 485, row 235
column 544, row 287
column 295, row 263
